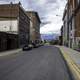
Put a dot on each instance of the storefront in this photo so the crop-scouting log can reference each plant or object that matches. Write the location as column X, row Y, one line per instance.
column 8, row 41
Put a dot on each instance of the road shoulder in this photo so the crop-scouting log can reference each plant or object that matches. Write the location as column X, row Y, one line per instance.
column 72, row 59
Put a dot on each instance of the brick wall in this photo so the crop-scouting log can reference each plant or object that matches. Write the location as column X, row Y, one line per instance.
column 35, row 34
column 9, row 10
column 24, row 25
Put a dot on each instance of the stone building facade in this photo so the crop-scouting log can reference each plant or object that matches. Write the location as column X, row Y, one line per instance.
column 72, row 11
column 15, row 22
column 34, row 26
column 65, row 27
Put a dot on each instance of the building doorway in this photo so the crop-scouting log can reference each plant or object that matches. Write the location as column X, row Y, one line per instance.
column 9, row 43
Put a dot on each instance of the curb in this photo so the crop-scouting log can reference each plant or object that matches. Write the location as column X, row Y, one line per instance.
column 75, row 71
column 6, row 53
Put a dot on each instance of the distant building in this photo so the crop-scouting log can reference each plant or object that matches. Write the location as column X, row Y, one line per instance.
column 14, row 22
column 34, row 26
column 72, row 25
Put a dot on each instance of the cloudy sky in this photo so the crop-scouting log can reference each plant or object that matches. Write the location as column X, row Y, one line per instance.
column 50, row 12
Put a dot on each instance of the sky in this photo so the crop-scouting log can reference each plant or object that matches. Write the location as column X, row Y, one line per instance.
column 50, row 13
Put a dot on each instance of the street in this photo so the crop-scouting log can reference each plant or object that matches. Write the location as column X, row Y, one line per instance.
column 43, row 63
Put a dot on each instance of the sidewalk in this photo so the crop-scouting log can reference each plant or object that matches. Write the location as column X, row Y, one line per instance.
column 5, row 53
column 72, row 58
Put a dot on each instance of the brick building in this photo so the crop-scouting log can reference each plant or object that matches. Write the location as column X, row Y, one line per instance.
column 14, row 22
column 34, row 26
column 71, row 20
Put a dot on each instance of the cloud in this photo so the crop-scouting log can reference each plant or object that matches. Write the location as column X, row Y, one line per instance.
column 50, row 12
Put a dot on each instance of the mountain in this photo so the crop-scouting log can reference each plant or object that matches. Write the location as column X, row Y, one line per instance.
column 49, row 36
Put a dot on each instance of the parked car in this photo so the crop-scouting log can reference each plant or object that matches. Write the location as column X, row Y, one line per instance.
column 27, row 47
column 41, row 44
column 30, row 45
column 34, row 45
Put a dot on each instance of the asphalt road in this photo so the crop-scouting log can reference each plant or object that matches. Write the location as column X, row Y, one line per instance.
column 43, row 63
